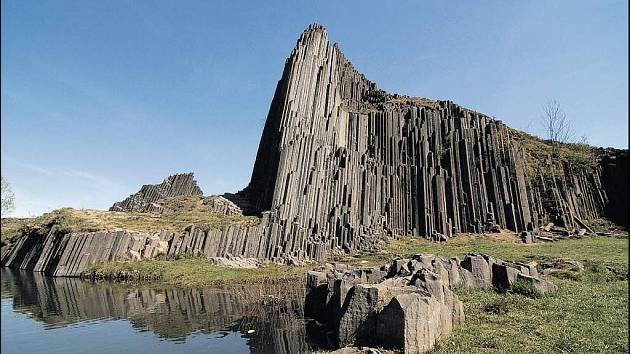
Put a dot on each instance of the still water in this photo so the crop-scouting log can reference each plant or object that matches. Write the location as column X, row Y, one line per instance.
column 66, row 315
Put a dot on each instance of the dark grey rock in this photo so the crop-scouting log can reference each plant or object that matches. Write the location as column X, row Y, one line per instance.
column 172, row 186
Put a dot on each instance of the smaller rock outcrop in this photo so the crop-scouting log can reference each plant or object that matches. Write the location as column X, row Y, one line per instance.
column 68, row 254
column 402, row 305
column 220, row 205
column 407, row 304
column 145, row 200
column 236, row 262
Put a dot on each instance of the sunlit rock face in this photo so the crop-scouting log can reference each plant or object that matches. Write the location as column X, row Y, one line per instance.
column 342, row 163
column 145, row 200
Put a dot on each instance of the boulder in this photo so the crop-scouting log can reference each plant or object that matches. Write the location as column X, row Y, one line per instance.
column 504, row 275
column 412, row 322
column 526, row 237
column 386, row 307
column 481, row 271
column 425, row 258
column 133, row 255
column 400, row 267
column 467, row 280
column 540, row 284
column 429, row 282
column 374, row 275
column 548, row 227
column 136, row 243
column 454, row 277
column 440, row 269
column 316, row 292
column 357, row 324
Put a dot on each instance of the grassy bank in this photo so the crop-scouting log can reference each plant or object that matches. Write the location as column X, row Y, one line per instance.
column 584, row 316
column 588, row 314
column 195, row 272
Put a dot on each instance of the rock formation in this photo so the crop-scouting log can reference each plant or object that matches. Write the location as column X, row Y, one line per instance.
column 406, row 304
column 615, row 179
column 341, row 164
column 59, row 253
column 172, row 186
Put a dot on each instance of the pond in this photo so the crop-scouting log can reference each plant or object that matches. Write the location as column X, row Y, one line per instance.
column 67, row 315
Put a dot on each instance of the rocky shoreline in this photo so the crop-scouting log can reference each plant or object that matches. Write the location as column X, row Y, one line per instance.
column 407, row 304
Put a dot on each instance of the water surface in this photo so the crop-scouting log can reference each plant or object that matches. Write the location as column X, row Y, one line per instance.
column 66, row 315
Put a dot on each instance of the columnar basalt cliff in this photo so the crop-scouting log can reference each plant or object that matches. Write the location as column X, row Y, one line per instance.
column 341, row 164
column 145, row 200
column 615, row 179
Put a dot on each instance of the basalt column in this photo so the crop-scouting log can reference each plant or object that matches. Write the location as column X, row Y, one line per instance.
column 341, row 163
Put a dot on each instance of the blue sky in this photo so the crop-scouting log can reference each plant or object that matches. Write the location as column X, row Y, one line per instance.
column 100, row 97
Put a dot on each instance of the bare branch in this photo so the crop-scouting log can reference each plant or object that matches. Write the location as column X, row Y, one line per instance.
column 556, row 124
column 6, row 195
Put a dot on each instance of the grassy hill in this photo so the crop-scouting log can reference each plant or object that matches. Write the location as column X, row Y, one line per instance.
column 177, row 213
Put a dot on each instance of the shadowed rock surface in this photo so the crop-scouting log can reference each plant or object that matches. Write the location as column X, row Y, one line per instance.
column 145, row 200
column 615, row 178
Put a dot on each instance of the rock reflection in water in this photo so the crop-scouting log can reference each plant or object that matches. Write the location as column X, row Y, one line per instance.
column 273, row 312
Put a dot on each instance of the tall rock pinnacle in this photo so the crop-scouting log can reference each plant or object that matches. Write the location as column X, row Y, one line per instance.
column 344, row 163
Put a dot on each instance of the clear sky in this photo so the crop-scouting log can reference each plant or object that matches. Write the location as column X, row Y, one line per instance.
column 100, row 97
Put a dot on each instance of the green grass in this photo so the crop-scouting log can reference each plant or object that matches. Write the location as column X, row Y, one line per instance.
column 539, row 150
column 588, row 316
column 195, row 272
column 605, row 250
column 10, row 231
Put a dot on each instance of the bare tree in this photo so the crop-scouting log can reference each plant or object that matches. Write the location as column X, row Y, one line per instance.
column 583, row 140
column 6, row 195
column 557, row 125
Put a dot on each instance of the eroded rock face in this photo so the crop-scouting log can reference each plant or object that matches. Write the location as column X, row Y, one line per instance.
column 236, row 262
column 58, row 253
column 342, row 163
column 145, row 200
column 407, row 304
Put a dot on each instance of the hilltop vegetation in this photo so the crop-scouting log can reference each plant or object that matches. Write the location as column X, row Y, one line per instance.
column 177, row 213
column 540, row 159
